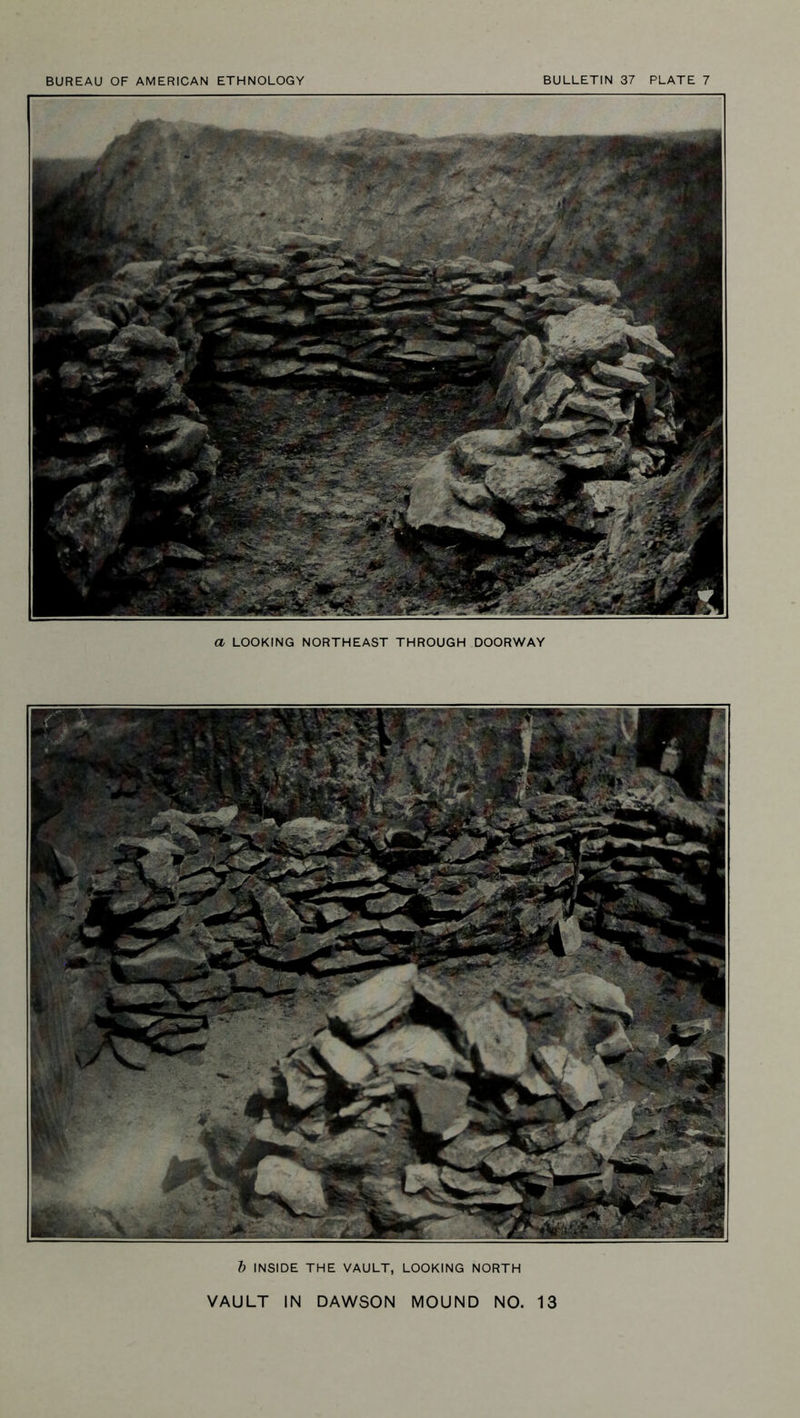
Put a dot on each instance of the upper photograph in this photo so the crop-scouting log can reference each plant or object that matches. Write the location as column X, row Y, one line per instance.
column 314, row 356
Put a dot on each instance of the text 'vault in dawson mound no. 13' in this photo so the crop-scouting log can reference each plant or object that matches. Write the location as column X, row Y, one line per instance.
column 333, row 409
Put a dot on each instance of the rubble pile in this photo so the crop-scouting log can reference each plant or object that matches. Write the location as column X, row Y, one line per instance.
column 406, row 1114
column 123, row 470
column 207, row 910
column 589, row 412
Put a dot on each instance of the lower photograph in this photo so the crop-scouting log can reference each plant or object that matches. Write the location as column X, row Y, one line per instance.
column 434, row 973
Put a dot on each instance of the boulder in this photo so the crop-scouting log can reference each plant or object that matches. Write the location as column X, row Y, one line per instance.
column 294, row 1186
column 533, row 488
column 586, row 334
column 87, row 525
column 434, row 509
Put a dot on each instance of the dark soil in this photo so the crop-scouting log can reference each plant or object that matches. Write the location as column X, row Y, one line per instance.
column 306, row 501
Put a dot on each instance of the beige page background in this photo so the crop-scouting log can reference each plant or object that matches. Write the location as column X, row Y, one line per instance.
column 655, row 1328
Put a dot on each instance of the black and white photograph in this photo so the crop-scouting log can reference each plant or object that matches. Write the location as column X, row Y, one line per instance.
column 451, row 973
column 300, row 355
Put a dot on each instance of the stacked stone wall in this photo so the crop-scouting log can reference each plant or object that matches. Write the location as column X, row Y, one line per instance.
column 123, row 469
column 208, row 911
column 123, row 465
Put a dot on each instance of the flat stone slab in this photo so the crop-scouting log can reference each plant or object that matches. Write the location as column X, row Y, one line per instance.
column 367, row 1009
column 599, row 290
column 575, row 1082
column 479, row 449
column 433, row 1000
column 178, row 958
column 215, row 821
column 303, row 836
column 605, row 1135
column 413, row 1046
column 387, row 905
column 391, row 1206
column 546, row 395
column 571, row 1161
column 498, row 1041
column 306, row 1080
column 352, row 1066
column 619, row 376
column 214, row 986
column 471, row 1148
column 442, row 1106
column 586, row 334
column 134, row 1053
column 147, row 846
column 643, row 340
column 541, row 1137
column 615, row 1044
column 508, row 1162
column 441, row 349
column 263, row 979
column 281, row 924
column 157, row 923
column 145, row 996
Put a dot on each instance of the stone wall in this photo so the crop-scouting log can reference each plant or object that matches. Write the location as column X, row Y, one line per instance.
column 208, row 911
column 123, row 466
column 123, row 470
column 589, row 412
column 304, row 311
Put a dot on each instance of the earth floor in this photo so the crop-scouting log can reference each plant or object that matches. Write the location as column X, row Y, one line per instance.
column 308, row 490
